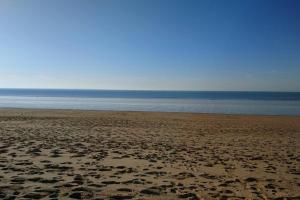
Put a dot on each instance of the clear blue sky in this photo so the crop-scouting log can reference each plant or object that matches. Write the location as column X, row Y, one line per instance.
column 151, row 44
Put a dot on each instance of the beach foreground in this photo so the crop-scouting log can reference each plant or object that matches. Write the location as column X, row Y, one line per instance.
column 54, row 154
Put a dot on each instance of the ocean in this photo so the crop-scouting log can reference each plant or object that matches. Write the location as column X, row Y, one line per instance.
column 260, row 103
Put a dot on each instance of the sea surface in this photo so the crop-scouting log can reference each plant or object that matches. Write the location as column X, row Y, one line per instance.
column 261, row 103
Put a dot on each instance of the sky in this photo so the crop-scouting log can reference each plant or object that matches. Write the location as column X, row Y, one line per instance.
column 251, row 45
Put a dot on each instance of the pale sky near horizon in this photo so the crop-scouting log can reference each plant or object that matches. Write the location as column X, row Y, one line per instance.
column 151, row 44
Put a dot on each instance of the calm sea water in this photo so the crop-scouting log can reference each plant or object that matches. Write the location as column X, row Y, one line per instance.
column 270, row 103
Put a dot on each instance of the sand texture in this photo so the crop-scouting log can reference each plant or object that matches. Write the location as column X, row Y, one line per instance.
column 48, row 154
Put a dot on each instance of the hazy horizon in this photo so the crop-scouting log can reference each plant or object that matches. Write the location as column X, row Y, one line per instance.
column 151, row 45
column 167, row 90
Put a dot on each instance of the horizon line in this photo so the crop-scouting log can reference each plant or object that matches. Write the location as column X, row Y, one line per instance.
column 149, row 90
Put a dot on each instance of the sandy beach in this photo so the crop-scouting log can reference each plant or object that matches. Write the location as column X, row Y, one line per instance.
column 56, row 154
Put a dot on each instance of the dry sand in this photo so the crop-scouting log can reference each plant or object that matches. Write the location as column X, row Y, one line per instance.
column 48, row 154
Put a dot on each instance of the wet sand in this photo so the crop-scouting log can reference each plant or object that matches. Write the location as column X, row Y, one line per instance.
column 54, row 154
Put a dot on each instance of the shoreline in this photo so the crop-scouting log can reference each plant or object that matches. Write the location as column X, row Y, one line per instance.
column 137, row 111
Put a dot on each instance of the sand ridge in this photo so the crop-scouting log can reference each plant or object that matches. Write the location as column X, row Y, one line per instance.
column 60, row 154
